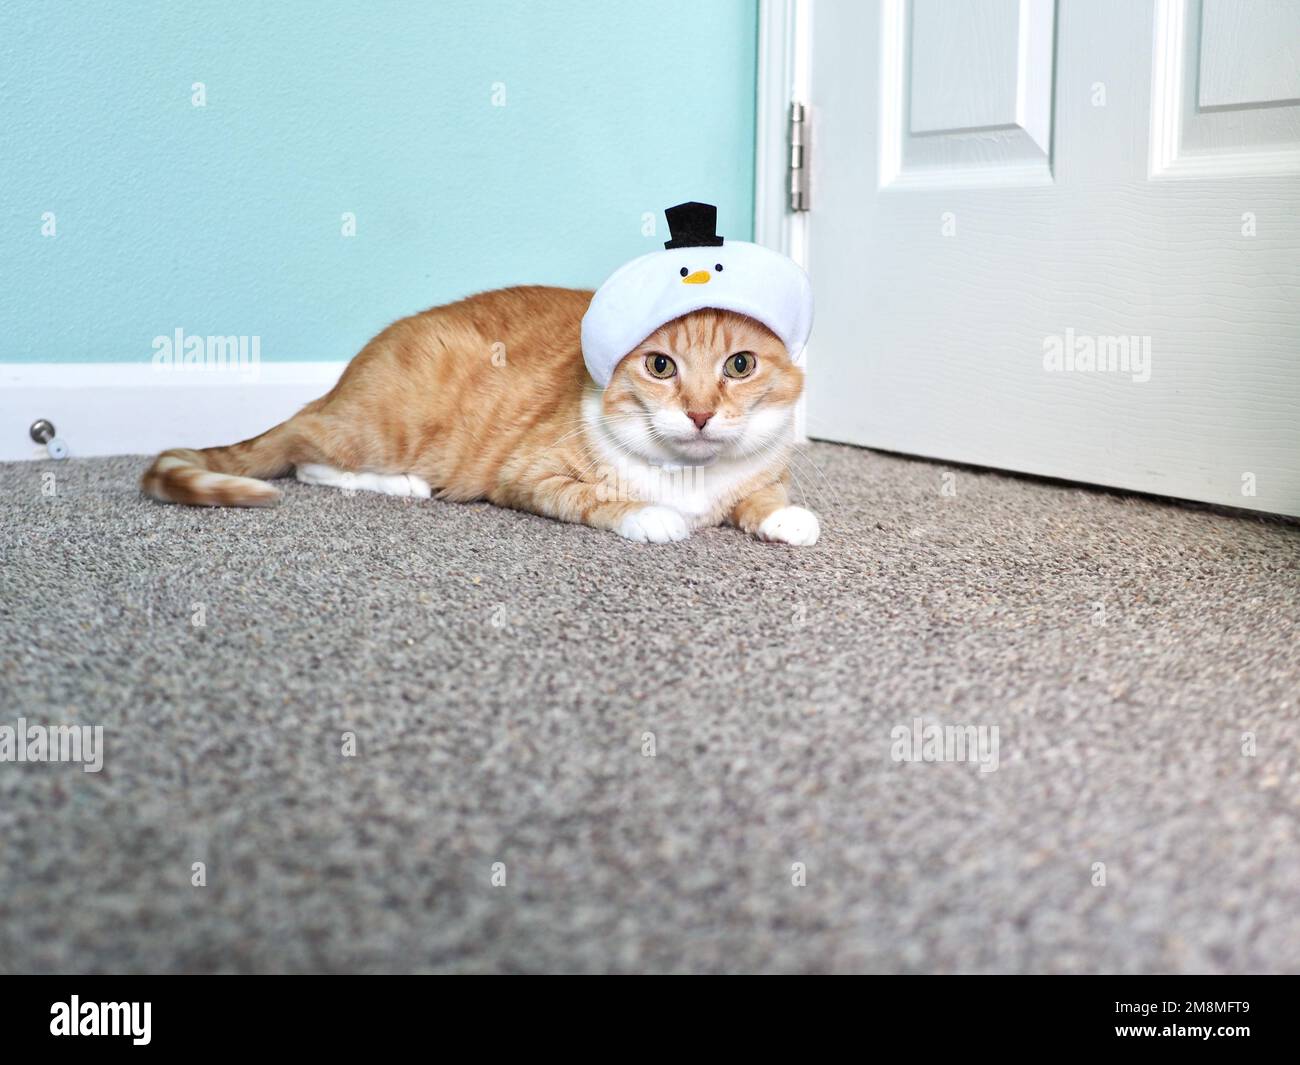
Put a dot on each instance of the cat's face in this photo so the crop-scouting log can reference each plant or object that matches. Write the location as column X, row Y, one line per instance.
column 709, row 385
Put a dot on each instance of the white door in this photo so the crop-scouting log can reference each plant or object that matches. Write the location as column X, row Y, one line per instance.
column 1061, row 238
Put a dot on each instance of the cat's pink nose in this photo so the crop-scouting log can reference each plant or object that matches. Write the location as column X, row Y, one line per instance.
column 700, row 418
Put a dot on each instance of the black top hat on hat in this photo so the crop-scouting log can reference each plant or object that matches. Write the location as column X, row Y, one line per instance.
column 693, row 225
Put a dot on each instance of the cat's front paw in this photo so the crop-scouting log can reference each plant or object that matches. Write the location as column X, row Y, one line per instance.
column 790, row 525
column 654, row 525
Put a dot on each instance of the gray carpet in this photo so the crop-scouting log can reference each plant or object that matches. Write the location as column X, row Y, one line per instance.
column 499, row 672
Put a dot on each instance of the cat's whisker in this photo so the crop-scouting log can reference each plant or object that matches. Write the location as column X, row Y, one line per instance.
column 798, row 453
column 572, row 432
column 773, row 449
column 596, row 460
column 582, row 424
column 795, row 452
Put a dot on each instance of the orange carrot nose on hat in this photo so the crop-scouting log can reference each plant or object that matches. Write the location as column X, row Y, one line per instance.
column 696, row 270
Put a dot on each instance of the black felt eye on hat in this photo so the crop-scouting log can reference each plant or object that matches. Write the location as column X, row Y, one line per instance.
column 693, row 225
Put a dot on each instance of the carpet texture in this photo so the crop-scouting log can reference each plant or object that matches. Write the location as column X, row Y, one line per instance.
column 681, row 756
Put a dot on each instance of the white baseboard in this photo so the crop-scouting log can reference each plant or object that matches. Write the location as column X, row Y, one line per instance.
column 137, row 409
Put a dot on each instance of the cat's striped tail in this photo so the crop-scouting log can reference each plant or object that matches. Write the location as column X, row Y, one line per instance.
column 223, row 476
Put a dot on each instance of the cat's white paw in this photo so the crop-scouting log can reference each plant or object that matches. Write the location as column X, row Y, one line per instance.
column 654, row 525
column 791, row 525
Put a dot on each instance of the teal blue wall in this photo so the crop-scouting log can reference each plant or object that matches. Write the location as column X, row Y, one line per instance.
column 226, row 219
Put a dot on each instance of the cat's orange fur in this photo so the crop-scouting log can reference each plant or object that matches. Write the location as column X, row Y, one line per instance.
column 488, row 398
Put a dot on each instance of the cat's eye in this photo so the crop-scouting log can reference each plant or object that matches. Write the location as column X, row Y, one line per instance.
column 740, row 364
column 660, row 365
column 717, row 268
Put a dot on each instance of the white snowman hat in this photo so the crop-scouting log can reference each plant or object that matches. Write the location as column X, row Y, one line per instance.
column 696, row 270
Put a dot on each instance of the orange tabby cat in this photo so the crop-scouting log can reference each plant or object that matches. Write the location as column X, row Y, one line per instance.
column 488, row 398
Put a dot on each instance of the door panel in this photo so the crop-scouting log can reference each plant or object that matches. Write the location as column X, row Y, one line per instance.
column 1225, row 97
column 964, row 65
column 950, row 71
column 1248, row 52
column 1096, row 277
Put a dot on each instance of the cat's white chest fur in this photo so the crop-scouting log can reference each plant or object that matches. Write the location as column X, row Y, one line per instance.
column 694, row 491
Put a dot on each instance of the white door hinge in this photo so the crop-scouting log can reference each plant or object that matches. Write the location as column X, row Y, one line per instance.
column 798, row 157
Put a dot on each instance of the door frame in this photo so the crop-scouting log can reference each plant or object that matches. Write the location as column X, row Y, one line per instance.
column 784, row 64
